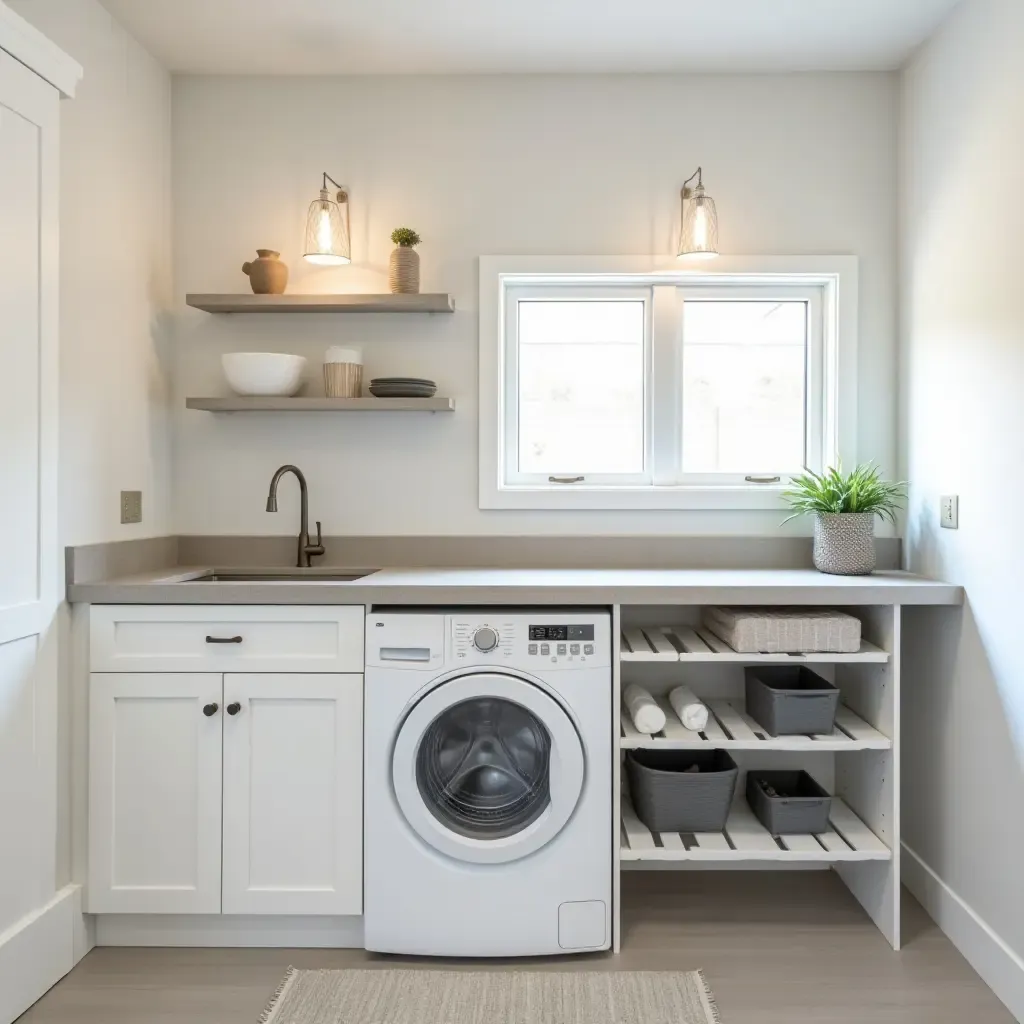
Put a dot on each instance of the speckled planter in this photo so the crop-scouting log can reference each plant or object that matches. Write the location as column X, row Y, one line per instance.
column 844, row 544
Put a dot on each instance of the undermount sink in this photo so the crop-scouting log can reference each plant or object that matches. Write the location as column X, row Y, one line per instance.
column 285, row 576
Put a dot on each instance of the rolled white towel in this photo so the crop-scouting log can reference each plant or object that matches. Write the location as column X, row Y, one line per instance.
column 647, row 716
column 692, row 713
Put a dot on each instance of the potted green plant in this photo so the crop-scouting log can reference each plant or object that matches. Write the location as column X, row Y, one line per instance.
column 844, row 506
column 404, row 265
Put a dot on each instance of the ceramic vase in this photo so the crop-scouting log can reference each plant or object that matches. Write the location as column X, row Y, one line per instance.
column 404, row 271
column 267, row 274
column 844, row 543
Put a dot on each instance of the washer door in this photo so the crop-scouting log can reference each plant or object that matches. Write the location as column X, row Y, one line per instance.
column 487, row 768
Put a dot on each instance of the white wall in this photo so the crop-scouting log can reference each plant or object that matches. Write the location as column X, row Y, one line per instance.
column 495, row 165
column 962, row 384
column 115, row 275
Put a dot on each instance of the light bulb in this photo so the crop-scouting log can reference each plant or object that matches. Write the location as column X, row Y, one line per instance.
column 323, row 232
column 700, row 226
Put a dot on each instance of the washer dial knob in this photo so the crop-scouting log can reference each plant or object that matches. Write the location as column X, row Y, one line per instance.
column 485, row 639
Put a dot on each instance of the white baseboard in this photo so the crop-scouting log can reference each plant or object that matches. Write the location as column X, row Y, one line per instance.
column 253, row 931
column 39, row 950
column 997, row 964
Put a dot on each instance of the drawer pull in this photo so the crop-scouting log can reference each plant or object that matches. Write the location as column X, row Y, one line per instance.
column 223, row 639
column 234, row 708
column 210, row 710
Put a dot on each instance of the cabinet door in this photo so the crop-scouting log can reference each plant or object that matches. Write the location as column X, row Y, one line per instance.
column 155, row 744
column 293, row 794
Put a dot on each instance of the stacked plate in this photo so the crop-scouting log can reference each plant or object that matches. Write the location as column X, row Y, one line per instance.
column 402, row 387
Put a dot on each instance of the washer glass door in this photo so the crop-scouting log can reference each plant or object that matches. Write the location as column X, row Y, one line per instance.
column 488, row 767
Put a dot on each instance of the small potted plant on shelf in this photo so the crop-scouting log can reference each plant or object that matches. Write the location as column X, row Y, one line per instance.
column 404, row 265
column 844, row 506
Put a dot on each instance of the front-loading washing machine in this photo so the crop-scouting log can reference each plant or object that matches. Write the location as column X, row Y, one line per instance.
column 488, row 782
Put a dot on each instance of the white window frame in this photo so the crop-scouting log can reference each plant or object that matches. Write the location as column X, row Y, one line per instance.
column 828, row 283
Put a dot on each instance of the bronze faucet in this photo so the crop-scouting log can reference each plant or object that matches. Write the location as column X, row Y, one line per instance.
column 306, row 550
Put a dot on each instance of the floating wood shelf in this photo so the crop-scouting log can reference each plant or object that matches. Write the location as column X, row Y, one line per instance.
column 731, row 728
column 746, row 839
column 684, row 643
column 270, row 404
column 383, row 303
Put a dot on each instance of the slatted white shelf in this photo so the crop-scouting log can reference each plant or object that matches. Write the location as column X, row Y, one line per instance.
column 730, row 727
column 746, row 839
column 688, row 643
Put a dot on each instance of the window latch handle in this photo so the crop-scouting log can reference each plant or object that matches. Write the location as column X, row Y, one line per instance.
column 763, row 479
column 565, row 479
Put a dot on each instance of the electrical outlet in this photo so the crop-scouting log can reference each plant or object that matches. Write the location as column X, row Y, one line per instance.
column 949, row 511
column 131, row 506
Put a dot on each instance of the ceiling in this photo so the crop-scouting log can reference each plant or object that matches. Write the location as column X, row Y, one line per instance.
column 490, row 36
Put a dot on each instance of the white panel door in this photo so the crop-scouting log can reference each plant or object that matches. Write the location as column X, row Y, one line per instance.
column 29, row 581
column 155, row 744
column 293, row 794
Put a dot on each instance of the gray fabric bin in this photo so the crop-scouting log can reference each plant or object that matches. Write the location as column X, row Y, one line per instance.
column 801, row 807
column 669, row 799
column 791, row 700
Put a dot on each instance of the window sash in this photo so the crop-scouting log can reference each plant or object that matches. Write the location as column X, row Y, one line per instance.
column 663, row 355
column 511, row 473
column 814, row 411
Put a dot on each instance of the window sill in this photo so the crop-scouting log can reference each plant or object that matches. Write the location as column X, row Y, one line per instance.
column 577, row 497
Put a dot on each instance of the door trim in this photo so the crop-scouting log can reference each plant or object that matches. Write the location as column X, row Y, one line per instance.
column 566, row 775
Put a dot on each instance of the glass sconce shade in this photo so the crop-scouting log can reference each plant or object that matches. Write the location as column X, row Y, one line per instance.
column 698, row 234
column 327, row 233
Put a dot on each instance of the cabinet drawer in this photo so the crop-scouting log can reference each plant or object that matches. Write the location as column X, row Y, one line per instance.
column 216, row 638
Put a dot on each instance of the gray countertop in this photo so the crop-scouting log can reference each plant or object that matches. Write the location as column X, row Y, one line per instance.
column 528, row 586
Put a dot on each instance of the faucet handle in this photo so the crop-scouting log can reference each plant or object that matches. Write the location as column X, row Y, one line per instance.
column 318, row 547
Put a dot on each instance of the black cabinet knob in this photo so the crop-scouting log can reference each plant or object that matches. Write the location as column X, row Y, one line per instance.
column 210, row 710
column 234, row 708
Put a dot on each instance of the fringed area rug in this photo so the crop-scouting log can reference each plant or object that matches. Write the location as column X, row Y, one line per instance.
column 492, row 997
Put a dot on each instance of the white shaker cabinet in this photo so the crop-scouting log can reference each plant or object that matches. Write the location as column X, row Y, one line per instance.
column 293, row 794
column 155, row 793
column 225, row 760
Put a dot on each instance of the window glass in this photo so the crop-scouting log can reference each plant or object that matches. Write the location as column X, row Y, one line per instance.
column 744, row 386
column 581, row 386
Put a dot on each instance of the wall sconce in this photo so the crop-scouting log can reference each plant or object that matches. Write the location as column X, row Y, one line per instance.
column 328, row 242
column 698, row 234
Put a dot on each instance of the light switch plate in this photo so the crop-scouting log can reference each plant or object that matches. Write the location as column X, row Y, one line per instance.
column 949, row 511
column 131, row 506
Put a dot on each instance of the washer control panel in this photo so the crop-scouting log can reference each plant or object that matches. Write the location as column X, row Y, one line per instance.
column 572, row 641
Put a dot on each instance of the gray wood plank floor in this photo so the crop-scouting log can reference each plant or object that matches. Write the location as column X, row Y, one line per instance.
column 777, row 947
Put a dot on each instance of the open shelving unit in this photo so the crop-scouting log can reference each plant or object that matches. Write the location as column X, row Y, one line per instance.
column 857, row 762
column 429, row 302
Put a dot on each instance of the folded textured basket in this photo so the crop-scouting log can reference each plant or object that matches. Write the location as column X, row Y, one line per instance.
column 785, row 630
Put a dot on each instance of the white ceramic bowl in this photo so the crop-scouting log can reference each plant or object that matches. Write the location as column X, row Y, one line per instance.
column 263, row 373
